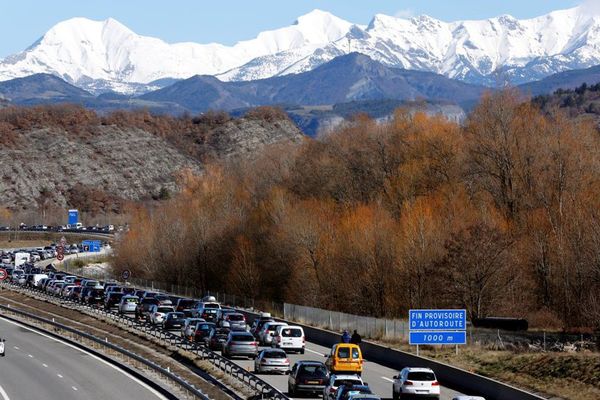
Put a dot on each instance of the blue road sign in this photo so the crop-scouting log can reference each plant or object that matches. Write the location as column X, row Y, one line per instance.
column 437, row 320
column 73, row 217
column 438, row 337
column 93, row 246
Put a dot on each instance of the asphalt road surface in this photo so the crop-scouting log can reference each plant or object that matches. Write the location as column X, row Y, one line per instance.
column 40, row 367
column 377, row 376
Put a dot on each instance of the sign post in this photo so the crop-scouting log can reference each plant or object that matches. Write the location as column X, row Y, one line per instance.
column 437, row 327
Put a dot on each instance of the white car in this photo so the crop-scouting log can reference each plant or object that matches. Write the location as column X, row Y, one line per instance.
column 335, row 381
column 468, row 398
column 157, row 313
column 289, row 338
column 415, row 382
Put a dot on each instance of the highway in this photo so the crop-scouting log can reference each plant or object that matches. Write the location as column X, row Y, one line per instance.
column 39, row 367
column 377, row 376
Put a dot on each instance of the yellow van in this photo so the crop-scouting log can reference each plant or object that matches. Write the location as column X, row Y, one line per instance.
column 345, row 357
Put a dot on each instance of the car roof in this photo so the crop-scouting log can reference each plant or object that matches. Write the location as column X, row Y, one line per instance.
column 468, row 398
column 418, row 369
column 309, row 362
column 346, row 376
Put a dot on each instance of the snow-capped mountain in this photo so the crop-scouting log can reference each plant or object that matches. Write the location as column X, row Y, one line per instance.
column 101, row 55
column 106, row 55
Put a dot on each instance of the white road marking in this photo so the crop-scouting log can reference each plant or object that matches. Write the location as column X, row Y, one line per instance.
column 59, row 375
column 385, row 378
column 16, row 347
column 74, row 388
column 314, row 352
column 3, row 394
column 149, row 388
column 29, row 355
column 45, row 365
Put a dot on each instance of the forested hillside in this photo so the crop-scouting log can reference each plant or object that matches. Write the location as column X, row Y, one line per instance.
column 501, row 216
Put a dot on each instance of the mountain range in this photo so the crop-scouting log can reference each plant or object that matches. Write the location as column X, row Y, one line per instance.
column 101, row 56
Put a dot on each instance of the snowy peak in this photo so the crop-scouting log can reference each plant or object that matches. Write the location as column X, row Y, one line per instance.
column 106, row 55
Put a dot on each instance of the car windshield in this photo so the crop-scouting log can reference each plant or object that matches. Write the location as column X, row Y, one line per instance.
column 164, row 309
column 205, row 327
column 176, row 316
column 242, row 338
column 211, row 305
column 340, row 382
column 421, row 376
column 131, row 300
column 314, row 370
column 272, row 328
column 186, row 303
column 235, row 317
column 343, row 352
column 291, row 333
column 275, row 354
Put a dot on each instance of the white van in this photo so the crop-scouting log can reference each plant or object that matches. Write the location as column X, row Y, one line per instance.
column 37, row 278
column 21, row 258
column 289, row 338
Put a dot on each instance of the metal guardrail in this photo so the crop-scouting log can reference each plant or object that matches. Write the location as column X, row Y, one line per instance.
column 265, row 390
column 157, row 368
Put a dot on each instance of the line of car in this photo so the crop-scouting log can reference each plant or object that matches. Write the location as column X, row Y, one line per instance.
column 208, row 323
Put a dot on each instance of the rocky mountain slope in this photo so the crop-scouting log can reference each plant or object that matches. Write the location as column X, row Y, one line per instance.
column 99, row 165
column 106, row 55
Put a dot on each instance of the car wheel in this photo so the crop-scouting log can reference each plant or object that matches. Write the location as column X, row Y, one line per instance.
column 395, row 395
column 302, row 351
column 291, row 391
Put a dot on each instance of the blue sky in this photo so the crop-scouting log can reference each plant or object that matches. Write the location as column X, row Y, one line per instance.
column 227, row 21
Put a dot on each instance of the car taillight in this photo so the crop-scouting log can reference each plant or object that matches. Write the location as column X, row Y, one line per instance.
column 254, row 343
column 286, row 361
column 408, row 383
column 303, row 341
column 332, row 390
column 435, row 383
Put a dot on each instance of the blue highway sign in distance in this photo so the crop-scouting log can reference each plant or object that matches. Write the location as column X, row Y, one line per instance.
column 438, row 337
column 437, row 320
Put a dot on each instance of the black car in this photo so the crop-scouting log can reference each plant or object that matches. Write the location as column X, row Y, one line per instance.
column 307, row 377
column 173, row 320
column 344, row 391
column 216, row 338
column 185, row 304
column 94, row 296
column 84, row 292
column 112, row 300
column 202, row 330
column 141, row 310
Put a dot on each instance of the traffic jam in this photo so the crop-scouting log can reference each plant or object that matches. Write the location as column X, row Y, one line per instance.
column 265, row 342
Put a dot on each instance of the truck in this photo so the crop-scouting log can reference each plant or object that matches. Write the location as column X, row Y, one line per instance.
column 21, row 258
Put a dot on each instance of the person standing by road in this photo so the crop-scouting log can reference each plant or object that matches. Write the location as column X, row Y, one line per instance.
column 345, row 337
column 356, row 339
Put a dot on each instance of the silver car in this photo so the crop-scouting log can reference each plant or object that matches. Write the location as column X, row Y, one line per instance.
column 234, row 321
column 272, row 360
column 128, row 304
column 240, row 344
